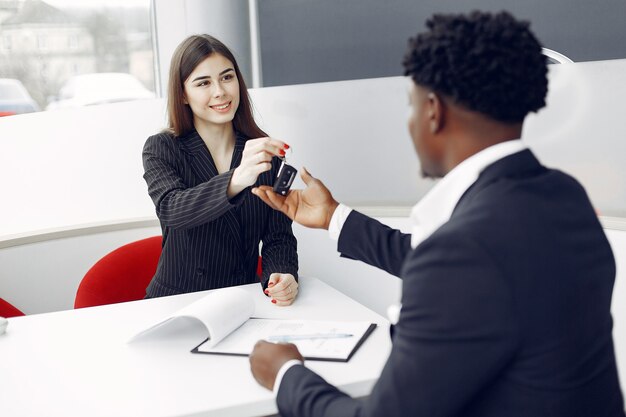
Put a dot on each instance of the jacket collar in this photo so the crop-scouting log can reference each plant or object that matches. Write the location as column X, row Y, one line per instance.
column 517, row 165
column 192, row 143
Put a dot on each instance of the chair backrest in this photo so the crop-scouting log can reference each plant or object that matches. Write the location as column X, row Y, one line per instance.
column 121, row 275
column 7, row 310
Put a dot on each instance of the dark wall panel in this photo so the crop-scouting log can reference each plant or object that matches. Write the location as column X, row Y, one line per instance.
column 304, row 41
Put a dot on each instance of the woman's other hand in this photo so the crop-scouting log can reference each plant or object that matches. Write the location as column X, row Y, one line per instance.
column 283, row 288
column 256, row 159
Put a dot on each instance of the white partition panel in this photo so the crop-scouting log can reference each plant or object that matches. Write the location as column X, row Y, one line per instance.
column 583, row 129
column 64, row 169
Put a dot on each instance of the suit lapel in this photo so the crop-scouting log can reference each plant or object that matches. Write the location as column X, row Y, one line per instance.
column 240, row 143
column 199, row 157
column 203, row 168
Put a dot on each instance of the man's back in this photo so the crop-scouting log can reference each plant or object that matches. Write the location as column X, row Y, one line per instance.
column 556, row 269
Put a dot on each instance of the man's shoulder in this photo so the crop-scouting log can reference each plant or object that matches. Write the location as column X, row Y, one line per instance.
column 520, row 196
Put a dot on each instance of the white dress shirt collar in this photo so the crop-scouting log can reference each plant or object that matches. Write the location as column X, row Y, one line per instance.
column 436, row 207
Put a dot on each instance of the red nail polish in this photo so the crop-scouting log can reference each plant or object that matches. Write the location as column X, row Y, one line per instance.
column 274, row 301
column 281, row 152
column 286, row 146
column 266, row 292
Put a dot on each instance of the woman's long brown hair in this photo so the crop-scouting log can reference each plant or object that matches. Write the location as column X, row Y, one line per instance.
column 191, row 52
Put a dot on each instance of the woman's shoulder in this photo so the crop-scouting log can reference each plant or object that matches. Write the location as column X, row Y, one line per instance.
column 162, row 136
column 164, row 141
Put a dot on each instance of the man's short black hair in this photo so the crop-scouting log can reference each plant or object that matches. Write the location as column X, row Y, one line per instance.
column 488, row 63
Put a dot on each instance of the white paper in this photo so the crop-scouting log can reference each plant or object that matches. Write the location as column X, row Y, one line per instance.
column 242, row 341
column 220, row 312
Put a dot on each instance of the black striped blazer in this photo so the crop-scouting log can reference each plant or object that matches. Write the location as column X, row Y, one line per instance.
column 210, row 241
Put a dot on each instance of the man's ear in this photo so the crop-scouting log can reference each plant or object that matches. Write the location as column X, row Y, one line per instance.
column 436, row 112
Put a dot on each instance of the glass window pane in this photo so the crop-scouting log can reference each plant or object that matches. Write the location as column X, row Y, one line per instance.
column 68, row 53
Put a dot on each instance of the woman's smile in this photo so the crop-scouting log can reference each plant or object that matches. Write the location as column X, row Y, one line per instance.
column 221, row 108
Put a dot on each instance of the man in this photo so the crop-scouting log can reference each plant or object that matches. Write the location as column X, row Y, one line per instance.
column 507, row 276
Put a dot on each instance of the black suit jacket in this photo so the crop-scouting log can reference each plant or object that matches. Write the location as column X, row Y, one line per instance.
column 505, row 308
column 210, row 241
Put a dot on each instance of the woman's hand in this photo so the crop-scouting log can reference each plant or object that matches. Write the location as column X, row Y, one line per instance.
column 256, row 158
column 283, row 288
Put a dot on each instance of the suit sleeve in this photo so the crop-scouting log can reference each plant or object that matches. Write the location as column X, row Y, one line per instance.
column 455, row 335
column 374, row 243
column 280, row 247
column 177, row 205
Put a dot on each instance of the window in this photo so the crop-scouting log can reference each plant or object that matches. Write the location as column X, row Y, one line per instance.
column 72, row 42
column 50, row 48
column 41, row 42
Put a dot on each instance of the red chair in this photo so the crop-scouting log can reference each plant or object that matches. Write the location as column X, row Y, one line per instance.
column 121, row 275
column 7, row 310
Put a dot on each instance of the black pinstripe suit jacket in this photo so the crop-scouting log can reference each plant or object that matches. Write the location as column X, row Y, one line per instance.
column 210, row 241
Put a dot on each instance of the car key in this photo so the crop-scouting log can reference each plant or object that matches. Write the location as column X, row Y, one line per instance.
column 285, row 177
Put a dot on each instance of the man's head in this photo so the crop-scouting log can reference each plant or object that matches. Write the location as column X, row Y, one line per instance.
column 476, row 78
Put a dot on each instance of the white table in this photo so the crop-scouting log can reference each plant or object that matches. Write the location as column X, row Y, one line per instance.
column 76, row 363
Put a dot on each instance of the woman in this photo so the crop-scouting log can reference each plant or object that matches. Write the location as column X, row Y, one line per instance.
column 199, row 173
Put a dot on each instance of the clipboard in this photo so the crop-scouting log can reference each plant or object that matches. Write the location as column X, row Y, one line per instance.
column 241, row 341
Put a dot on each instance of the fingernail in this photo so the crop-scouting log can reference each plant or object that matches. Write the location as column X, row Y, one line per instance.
column 281, row 152
column 274, row 301
column 266, row 292
column 270, row 284
column 286, row 146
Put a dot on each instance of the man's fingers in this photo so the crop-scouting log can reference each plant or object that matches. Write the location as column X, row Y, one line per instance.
column 262, row 192
column 306, row 176
column 278, row 201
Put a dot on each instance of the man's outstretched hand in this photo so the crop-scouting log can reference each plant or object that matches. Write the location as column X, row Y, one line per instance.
column 312, row 207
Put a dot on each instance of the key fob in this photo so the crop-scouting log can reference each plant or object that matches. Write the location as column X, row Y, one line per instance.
column 284, row 179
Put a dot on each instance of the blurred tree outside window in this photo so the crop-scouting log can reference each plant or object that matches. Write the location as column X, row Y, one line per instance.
column 68, row 53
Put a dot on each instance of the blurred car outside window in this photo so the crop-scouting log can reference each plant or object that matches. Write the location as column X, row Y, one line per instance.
column 14, row 98
column 99, row 88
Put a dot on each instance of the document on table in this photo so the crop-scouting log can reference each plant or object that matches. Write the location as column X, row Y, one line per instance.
column 316, row 340
column 226, row 316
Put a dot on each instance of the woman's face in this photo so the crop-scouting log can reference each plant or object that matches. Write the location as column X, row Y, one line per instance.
column 212, row 91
